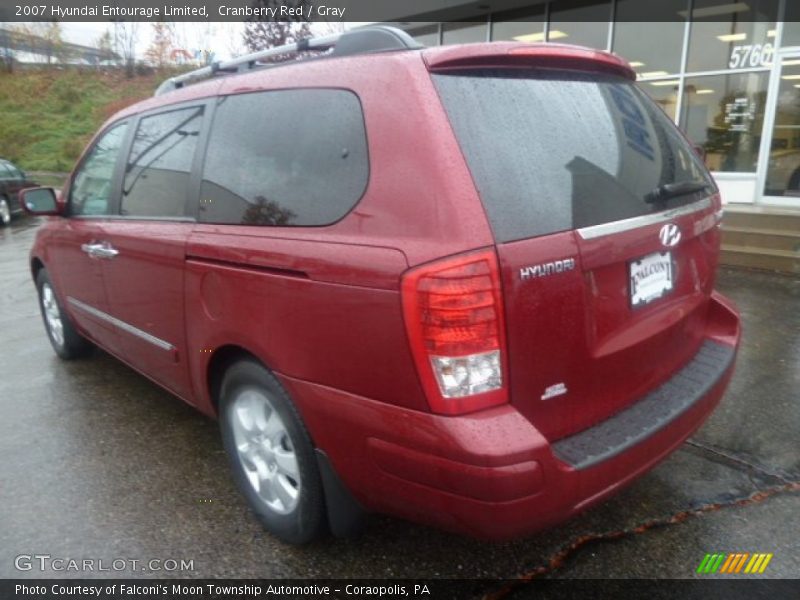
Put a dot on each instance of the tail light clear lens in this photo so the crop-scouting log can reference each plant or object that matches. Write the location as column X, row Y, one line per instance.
column 454, row 316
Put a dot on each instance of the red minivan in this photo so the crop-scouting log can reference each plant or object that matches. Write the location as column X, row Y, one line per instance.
column 469, row 286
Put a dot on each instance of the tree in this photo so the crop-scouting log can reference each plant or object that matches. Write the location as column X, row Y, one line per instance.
column 261, row 34
column 44, row 39
column 233, row 35
column 40, row 38
column 126, row 35
column 105, row 46
column 267, row 212
column 160, row 51
column 8, row 45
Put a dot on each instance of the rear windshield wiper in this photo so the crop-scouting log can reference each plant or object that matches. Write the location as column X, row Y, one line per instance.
column 672, row 190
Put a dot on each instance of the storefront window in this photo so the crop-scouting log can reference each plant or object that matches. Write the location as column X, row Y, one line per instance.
column 732, row 35
column 427, row 36
column 783, row 171
column 791, row 28
column 664, row 93
column 520, row 26
column 653, row 47
column 724, row 114
column 581, row 22
column 464, row 33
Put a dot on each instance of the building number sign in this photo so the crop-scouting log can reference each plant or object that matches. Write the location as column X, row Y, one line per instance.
column 751, row 55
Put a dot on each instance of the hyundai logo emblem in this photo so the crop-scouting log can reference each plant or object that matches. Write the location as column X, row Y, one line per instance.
column 670, row 235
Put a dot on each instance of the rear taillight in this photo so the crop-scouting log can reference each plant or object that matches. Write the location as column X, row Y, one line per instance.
column 454, row 316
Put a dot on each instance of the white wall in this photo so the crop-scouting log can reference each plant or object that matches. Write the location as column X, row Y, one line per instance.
column 736, row 188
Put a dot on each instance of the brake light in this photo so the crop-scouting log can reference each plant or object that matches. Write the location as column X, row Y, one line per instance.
column 453, row 311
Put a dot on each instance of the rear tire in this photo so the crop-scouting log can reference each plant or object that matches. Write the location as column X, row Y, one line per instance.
column 271, row 454
column 63, row 335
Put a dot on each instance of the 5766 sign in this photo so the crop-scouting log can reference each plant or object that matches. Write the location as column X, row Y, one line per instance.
column 751, row 55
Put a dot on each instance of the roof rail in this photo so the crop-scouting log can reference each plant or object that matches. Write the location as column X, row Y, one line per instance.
column 365, row 40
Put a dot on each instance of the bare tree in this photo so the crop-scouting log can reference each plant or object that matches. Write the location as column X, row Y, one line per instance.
column 233, row 33
column 126, row 36
column 322, row 28
column 204, row 42
column 194, row 42
column 105, row 46
column 54, row 45
column 159, row 54
column 8, row 45
column 260, row 35
column 43, row 39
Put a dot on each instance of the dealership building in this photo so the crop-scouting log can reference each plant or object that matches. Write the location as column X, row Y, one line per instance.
column 726, row 71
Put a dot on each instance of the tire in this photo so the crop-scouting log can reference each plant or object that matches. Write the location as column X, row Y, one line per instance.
column 5, row 212
column 63, row 336
column 271, row 454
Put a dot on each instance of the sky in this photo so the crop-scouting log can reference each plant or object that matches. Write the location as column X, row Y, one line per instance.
column 224, row 39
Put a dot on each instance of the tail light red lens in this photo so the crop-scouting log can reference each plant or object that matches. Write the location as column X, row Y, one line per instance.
column 454, row 316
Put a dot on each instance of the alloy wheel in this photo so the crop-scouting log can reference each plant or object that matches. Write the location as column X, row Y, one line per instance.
column 5, row 212
column 265, row 450
column 52, row 315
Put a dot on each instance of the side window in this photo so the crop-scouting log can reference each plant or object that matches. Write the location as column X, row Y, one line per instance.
column 90, row 192
column 14, row 172
column 289, row 157
column 5, row 173
column 159, row 166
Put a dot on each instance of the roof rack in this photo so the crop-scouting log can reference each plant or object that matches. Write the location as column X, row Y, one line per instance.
column 366, row 40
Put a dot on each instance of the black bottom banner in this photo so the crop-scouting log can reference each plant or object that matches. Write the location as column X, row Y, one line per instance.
column 253, row 589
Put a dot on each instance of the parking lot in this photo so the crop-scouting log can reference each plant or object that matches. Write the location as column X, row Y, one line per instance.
column 98, row 462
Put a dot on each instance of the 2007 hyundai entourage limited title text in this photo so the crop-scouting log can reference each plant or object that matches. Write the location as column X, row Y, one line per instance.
column 470, row 286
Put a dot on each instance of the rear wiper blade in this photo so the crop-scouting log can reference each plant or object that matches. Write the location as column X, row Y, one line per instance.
column 672, row 190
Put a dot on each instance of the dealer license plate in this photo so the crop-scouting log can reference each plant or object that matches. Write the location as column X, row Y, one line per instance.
column 651, row 278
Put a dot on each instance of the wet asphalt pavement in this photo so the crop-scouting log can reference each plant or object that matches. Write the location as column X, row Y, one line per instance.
column 97, row 462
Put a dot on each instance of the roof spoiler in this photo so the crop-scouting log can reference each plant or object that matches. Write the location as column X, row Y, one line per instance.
column 366, row 40
column 510, row 54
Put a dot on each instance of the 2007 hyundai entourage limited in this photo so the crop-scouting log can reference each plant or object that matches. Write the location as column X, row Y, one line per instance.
column 469, row 286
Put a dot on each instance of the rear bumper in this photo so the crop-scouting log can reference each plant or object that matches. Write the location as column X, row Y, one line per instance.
column 492, row 474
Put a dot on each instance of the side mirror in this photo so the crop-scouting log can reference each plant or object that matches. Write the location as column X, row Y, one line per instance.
column 40, row 201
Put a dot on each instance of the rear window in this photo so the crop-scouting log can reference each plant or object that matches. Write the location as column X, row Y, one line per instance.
column 551, row 151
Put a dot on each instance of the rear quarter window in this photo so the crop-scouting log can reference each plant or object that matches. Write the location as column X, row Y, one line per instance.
column 552, row 151
column 285, row 158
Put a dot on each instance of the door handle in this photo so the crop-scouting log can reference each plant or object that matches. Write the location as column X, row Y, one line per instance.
column 100, row 250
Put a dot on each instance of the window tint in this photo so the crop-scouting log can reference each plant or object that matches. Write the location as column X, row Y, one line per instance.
column 160, row 163
column 664, row 93
column 293, row 157
column 5, row 172
column 556, row 151
column 90, row 192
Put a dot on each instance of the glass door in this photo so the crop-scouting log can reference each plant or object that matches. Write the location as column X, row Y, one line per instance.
column 782, row 181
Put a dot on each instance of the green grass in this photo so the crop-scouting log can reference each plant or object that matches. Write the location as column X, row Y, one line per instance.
column 47, row 117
